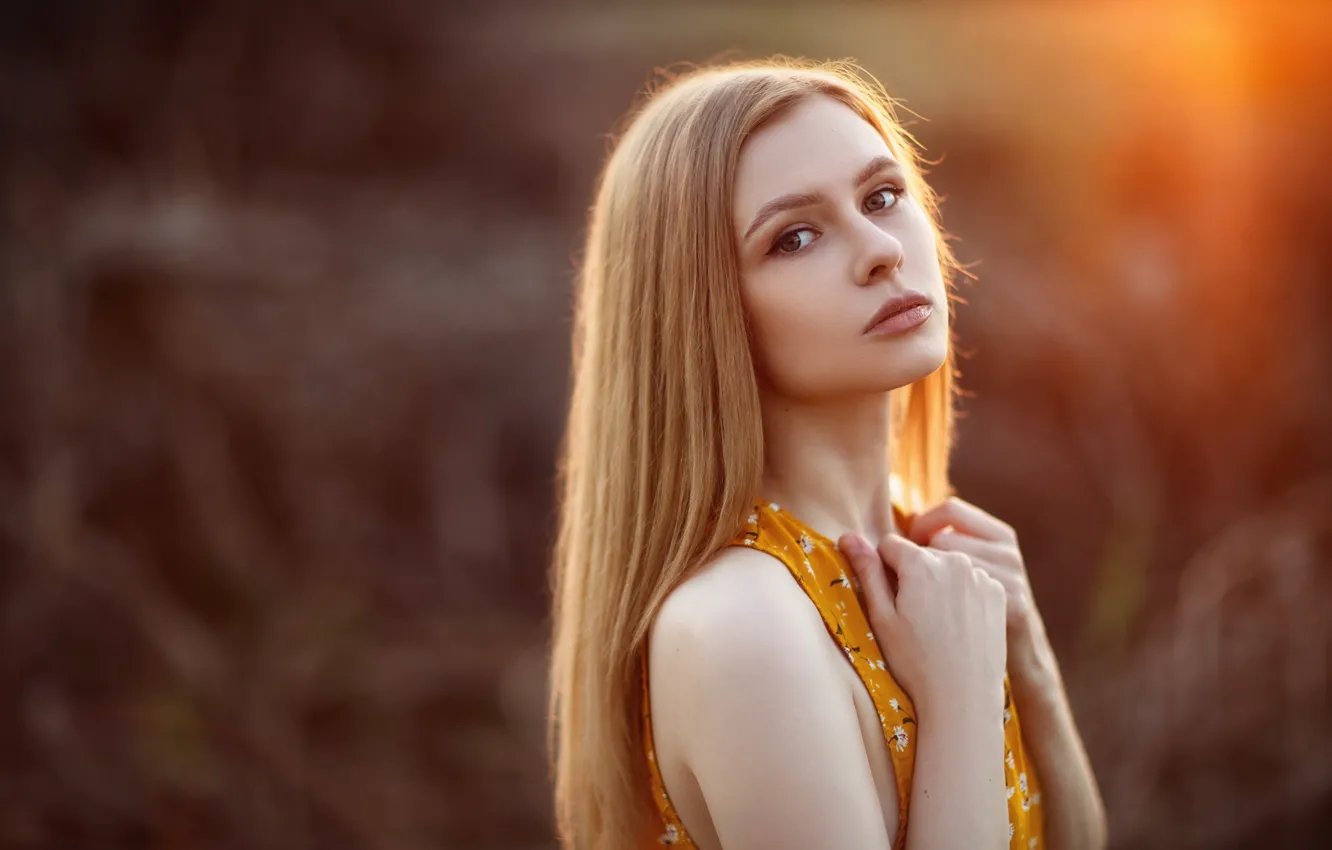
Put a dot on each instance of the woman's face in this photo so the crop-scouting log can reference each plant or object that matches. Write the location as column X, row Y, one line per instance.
column 826, row 236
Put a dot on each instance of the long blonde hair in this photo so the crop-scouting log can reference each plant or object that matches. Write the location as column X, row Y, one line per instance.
column 663, row 448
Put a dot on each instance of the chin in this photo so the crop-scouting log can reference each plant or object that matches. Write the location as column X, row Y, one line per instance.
column 917, row 358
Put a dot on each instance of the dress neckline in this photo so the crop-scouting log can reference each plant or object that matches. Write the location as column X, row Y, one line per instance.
column 899, row 521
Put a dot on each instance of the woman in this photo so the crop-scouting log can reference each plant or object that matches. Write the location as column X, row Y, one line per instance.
column 761, row 346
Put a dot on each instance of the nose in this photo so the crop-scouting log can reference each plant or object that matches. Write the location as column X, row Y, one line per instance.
column 880, row 253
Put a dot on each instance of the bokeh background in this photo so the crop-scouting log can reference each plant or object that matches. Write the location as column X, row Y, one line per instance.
column 284, row 358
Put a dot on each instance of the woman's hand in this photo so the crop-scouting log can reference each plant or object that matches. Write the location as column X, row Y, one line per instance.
column 1075, row 814
column 942, row 628
column 956, row 525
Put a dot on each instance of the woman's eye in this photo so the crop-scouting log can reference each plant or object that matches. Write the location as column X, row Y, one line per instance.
column 878, row 200
column 792, row 241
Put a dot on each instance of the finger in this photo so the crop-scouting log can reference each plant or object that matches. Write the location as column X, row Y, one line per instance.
column 981, row 550
column 871, row 574
column 897, row 553
column 894, row 549
column 961, row 515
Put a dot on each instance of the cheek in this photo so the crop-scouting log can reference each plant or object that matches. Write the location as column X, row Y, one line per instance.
column 922, row 252
column 799, row 329
column 770, row 318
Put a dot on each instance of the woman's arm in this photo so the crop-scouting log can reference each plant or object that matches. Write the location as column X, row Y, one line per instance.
column 769, row 728
column 957, row 794
column 942, row 629
column 1074, row 814
column 744, row 684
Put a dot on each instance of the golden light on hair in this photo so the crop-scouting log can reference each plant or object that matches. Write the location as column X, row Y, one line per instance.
column 662, row 452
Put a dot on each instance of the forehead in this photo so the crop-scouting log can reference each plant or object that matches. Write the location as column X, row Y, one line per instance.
column 817, row 145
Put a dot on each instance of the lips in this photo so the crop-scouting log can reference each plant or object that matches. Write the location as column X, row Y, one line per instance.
column 896, row 305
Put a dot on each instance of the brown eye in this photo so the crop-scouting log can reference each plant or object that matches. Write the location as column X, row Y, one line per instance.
column 878, row 201
column 792, row 241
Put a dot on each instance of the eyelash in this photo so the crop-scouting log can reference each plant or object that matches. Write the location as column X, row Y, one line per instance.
column 897, row 192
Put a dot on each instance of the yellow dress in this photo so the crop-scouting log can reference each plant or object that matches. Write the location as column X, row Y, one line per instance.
column 824, row 575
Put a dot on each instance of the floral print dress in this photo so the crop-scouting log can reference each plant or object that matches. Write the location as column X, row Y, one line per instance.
column 825, row 576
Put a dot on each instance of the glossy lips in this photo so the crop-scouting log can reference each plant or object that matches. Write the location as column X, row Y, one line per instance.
column 899, row 314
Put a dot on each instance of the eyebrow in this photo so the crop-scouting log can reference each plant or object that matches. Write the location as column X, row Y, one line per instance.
column 808, row 199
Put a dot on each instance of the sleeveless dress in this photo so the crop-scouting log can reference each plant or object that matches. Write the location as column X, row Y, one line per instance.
column 825, row 576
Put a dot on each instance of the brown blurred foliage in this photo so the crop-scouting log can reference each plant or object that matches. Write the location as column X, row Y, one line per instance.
column 284, row 327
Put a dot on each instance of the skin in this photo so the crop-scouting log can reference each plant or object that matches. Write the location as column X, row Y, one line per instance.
column 765, row 736
column 1075, row 815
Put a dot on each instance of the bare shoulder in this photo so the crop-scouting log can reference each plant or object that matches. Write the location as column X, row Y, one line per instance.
column 746, row 685
column 742, row 606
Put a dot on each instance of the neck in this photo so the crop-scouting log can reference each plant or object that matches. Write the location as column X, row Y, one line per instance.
column 826, row 462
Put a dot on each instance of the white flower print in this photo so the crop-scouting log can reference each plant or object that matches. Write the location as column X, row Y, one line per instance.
column 774, row 506
column 1026, row 804
column 806, row 543
column 900, row 738
column 894, row 704
column 1036, row 799
column 1010, row 790
column 1022, row 782
column 1008, row 715
column 672, row 835
column 1008, row 760
column 1011, row 830
column 753, row 519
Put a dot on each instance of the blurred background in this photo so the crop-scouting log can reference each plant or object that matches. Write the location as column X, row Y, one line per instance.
column 284, row 329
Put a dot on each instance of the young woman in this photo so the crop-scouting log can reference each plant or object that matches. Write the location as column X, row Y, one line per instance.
column 761, row 350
